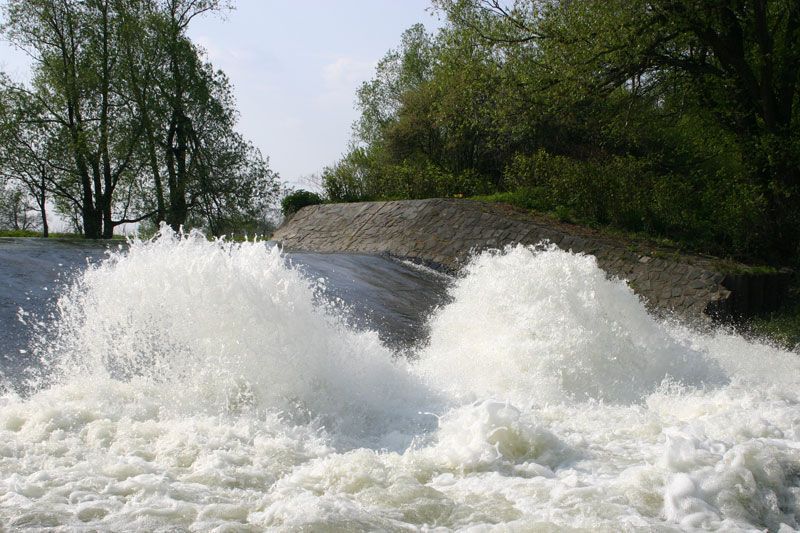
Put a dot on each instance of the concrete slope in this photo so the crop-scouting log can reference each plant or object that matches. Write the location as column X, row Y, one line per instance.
column 444, row 232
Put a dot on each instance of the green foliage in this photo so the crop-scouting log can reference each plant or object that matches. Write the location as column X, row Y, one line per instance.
column 398, row 71
column 296, row 200
column 35, row 234
column 125, row 121
column 655, row 117
column 16, row 210
column 783, row 325
column 353, row 178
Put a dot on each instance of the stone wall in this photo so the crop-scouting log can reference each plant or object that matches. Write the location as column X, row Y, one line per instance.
column 443, row 232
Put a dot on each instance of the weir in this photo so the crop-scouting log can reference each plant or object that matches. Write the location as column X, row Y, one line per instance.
column 443, row 233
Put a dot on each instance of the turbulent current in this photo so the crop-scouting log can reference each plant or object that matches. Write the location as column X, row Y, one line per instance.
column 182, row 384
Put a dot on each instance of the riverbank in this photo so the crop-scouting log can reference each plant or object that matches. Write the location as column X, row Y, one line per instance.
column 444, row 233
column 22, row 233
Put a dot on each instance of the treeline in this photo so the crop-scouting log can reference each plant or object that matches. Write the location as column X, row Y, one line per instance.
column 673, row 118
column 124, row 120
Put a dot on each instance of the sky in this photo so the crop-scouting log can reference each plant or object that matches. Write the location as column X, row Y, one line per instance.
column 295, row 67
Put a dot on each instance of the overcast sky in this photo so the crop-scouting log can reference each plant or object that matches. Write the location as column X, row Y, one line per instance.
column 295, row 67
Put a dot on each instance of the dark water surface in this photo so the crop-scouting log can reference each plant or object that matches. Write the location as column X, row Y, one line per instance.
column 32, row 271
column 383, row 294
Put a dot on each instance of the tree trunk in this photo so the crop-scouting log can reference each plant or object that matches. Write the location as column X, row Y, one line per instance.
column 97, row 199
column 107, row 181
column 176, row 168
column 108, row 224
column 91, row 227
column 177, row 143
column 161, row 211
column 178, row 196
column 69, row 47
column 45, row 227
column 41, row 199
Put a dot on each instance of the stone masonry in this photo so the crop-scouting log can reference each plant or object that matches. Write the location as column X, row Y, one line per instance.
column 444, row 232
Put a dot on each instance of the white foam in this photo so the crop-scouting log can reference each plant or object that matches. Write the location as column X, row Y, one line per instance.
column 195, row 385
column 527, row 325
column 219, row 326
column 426, row 269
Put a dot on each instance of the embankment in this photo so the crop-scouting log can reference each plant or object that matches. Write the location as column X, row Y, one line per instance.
column 443, row 232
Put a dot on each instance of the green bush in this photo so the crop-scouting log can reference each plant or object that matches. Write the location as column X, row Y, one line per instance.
column 611, row 191
column 295, row 201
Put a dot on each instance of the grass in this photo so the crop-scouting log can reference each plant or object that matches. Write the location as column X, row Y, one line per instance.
column 29, row 233
column 38, row 234
column 638, row 241
column 231, row 237
column 520, row 198
column 782, row 325
column 530, row 201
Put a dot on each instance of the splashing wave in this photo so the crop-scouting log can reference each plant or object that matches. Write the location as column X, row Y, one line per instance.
column 195, row 384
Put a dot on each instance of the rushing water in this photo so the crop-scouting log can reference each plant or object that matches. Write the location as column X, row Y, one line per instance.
column 183, row 384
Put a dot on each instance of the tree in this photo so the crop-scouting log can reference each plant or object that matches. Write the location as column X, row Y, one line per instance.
column 671, row 117
column 201, row 170
column 15, row 209
column 77, row 85
column 139, row 126
column 296, row 200
column 734, row 63
column 397, row 72
column 26, row 151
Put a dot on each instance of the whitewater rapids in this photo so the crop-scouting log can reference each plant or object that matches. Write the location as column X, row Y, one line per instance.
column 193, row 385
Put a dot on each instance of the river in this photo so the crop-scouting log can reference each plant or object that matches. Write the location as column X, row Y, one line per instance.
column 185, row 384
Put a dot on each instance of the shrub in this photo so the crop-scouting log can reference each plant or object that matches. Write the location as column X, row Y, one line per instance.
column 296, row 200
